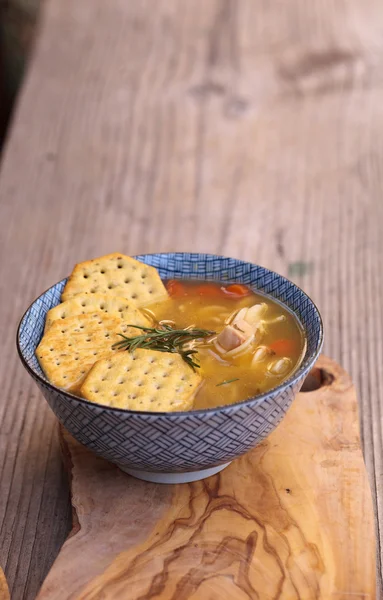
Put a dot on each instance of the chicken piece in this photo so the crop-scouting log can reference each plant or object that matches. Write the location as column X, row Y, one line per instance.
column 255, row 313
column 238, row 316
column 230, row 338
column 251, row 315
column 244, row 327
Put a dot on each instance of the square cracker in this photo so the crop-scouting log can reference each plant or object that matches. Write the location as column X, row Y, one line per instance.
column 69, row 348
column 114, row 306
column 142, row 380
column 119, row 275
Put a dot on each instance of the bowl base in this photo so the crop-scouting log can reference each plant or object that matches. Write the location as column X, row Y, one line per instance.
column 159, row 477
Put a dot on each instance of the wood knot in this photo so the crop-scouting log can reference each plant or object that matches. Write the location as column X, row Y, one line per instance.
column 235, row 107
column 207, row 89
column 316, row 379
column 320, row 71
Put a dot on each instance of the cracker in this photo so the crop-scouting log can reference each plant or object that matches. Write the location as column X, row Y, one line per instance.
column 69, row 349
column 143, row 380
column 114, row 306
column 119, row 275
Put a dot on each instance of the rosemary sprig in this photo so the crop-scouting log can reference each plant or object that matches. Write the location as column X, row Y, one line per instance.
column 227, row 381
column 165, row 338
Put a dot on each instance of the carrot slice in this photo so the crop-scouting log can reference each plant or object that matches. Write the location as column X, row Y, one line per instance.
column 176, row 288
column 284, row 347
column 237, row 289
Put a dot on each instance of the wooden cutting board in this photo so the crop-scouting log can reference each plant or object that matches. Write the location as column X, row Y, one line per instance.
column 4, row 592
column 291, row 520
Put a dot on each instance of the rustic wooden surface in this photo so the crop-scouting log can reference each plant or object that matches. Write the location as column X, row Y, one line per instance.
column 292, row 519
column 247, row 128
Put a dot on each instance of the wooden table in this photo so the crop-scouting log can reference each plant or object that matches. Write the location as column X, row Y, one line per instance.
column 252, row 129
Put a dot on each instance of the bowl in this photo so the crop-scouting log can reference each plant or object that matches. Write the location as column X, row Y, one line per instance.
column 179, row 446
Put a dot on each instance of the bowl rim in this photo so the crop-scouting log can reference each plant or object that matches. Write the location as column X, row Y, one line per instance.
column 304, row 368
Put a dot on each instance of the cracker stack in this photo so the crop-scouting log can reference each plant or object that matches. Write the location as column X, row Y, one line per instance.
column 100, row 300
column 114, row 306
column 70, row 347
column 143, row 380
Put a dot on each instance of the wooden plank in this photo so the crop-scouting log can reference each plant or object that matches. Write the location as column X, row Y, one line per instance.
column 292, row 519
column 242, row 127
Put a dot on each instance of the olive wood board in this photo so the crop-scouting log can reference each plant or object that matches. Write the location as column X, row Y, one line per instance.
column 4, row 592
column 292, row 519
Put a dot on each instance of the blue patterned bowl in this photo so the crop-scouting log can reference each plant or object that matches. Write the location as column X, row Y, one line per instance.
column 177, row 447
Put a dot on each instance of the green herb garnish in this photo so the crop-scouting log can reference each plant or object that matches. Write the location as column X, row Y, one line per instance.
column 165, row 338
column 227, row 381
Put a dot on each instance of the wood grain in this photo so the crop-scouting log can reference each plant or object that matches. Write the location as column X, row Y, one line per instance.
column 248, row 128
column 292, row 519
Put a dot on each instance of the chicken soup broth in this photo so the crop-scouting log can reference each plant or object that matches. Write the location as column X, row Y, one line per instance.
column 254, row 345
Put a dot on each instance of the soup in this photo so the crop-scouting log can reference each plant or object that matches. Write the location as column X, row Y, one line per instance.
column 124, row 338
column 257, row 343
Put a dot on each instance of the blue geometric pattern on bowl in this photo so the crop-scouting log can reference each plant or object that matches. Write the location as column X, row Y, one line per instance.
column 178, row 442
